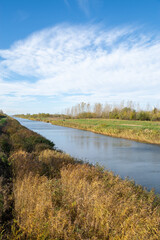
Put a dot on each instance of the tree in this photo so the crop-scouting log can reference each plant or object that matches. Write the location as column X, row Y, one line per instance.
column 98, row 109
column 106, row 110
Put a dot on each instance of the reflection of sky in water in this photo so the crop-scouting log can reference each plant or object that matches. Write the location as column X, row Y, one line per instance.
column 138, row 161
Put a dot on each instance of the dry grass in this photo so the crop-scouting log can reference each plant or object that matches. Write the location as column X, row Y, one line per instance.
column 84, row 203
column 52, row 161
column 107, row 207
column 36, row 200
column 24, row 163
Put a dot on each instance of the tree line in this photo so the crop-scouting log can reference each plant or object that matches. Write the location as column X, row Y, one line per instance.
column 121, row 111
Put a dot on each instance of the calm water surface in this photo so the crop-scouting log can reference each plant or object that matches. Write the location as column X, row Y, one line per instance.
column 126, row 158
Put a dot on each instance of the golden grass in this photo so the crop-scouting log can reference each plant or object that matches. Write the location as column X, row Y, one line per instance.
column 107, row 207
column 84, row 203
column 36, row 199
column 24, row 163
column 52, row 161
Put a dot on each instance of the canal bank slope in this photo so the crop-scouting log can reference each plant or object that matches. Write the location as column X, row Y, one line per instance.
column 52, row 196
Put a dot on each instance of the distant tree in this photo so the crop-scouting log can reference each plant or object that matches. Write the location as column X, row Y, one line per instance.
column 118, row 111
column 88, row 107
column 106, row 110
column 114, row 114
column 127, row 113
column 82, row 107
column 143, row 116
column 98, row 109
column 155, row 110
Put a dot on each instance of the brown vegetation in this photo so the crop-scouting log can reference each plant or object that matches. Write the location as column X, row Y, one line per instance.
column 84, row 203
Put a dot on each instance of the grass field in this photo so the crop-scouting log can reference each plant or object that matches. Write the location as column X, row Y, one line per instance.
column 144, row 131
column 115, row 123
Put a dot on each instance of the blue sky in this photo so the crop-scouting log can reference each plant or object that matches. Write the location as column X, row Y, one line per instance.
column 57, row 53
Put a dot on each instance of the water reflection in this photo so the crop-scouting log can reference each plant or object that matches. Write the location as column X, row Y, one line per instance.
column 138, row 161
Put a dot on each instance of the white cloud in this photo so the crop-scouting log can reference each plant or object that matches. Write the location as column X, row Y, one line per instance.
column 99, row 65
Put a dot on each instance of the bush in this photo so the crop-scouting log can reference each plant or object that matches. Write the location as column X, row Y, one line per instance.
column 143, row 116
column 5, row 145
column 24, row 163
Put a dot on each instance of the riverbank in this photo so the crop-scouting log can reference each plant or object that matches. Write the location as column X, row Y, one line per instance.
column 147, row 132
column 142, row 131
column 56, row 197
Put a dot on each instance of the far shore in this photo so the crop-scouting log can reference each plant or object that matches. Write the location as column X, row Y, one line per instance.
column 141, row 131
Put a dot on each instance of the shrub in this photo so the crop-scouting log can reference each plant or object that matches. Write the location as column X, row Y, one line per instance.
column 24, row 163
column 53, row 161
column 143, row 116
column 5, row 145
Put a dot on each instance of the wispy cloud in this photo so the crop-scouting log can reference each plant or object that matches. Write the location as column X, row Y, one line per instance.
column 84, row 5
column 67, row 3
column 82, row 63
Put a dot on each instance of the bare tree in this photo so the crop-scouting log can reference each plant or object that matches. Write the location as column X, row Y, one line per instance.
column 98, row 109
column 88, row 107
column 106, row 110
column 82, row 107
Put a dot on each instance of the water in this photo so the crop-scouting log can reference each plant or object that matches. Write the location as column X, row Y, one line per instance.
column 138, row 161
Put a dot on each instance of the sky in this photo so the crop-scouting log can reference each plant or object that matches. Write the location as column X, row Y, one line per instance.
column 57, row 53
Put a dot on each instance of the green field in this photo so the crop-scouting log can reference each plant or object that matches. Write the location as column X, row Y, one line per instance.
column 115, row 123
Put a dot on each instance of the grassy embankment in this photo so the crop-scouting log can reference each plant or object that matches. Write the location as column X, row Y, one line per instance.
column 48, row 195
column 143, row 131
